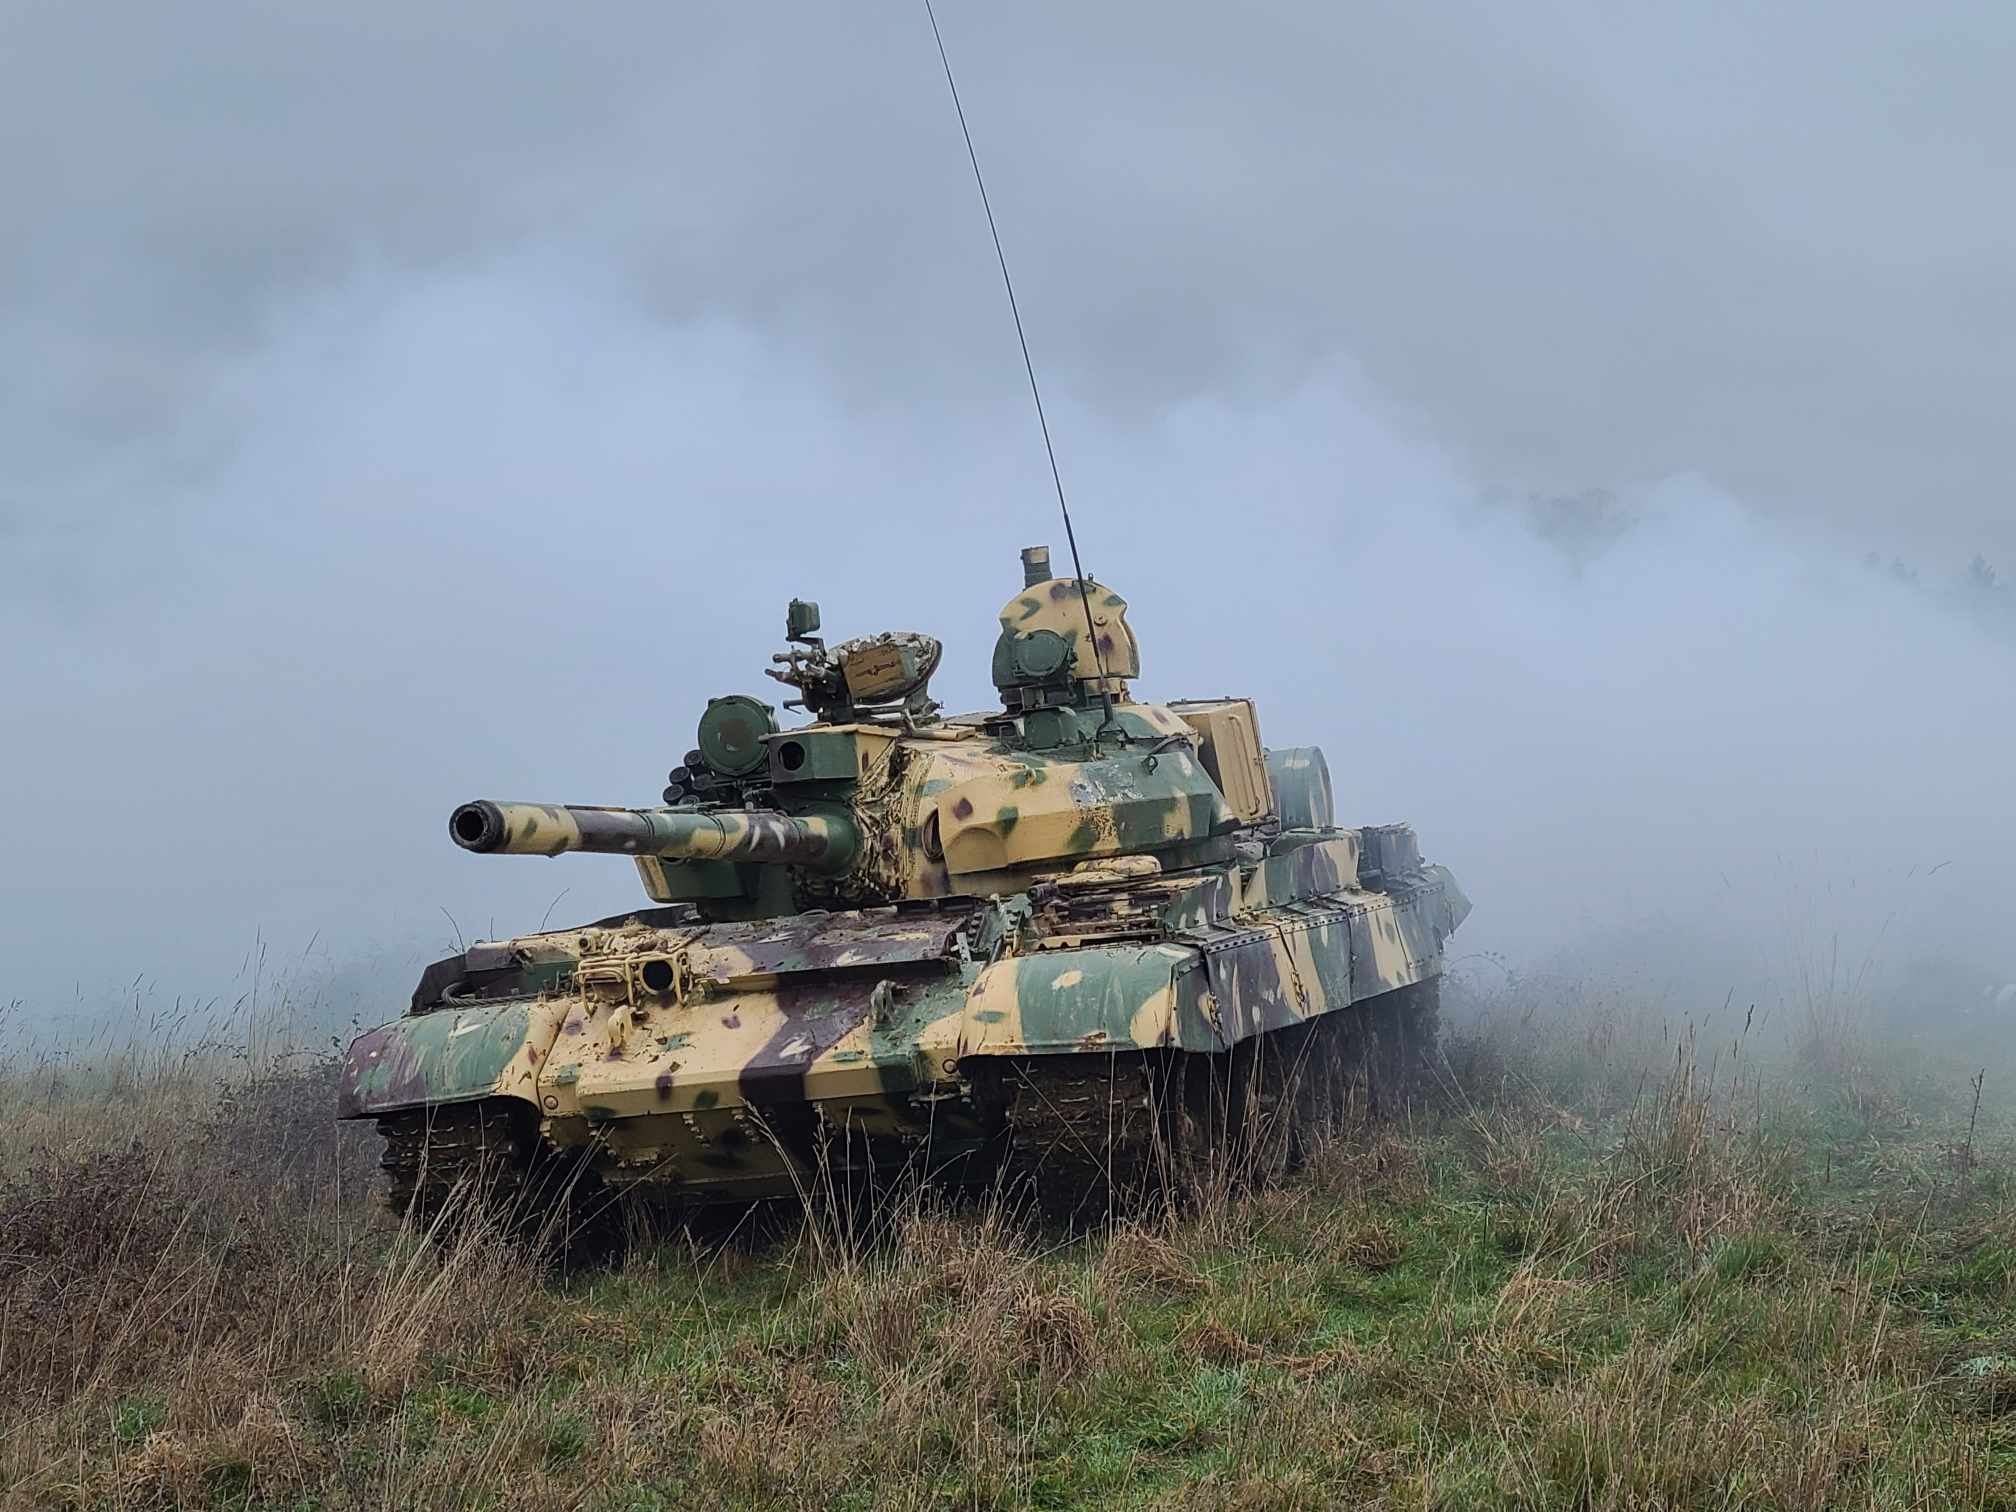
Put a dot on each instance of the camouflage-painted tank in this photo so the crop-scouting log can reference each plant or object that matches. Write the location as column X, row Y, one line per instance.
column 1080, row 944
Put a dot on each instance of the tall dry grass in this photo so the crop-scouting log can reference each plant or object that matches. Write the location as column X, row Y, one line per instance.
column 178, row 1240
column 1613, row 1257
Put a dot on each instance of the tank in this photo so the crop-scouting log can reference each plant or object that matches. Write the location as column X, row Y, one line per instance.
column 1079, row 946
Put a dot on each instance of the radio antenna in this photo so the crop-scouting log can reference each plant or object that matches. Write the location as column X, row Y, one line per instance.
column 1029, row 367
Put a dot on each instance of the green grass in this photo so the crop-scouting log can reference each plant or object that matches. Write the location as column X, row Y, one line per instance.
column 1585, row 1273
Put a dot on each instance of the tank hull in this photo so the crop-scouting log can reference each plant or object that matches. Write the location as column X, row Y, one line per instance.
column 1094, row 1022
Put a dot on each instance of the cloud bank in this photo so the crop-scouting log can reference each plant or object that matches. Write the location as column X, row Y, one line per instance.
column 400, row 408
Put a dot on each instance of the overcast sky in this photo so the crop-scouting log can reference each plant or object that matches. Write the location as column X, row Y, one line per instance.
column 405, row 402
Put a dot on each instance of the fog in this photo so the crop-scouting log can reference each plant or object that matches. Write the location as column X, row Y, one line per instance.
column 398, row 411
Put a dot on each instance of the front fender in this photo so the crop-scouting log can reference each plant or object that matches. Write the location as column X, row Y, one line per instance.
column 449, row 1055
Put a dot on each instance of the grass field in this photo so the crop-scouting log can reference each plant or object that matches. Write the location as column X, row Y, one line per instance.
column 1614, row 1258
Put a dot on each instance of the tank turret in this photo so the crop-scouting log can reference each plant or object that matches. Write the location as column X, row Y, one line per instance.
column 879, row 800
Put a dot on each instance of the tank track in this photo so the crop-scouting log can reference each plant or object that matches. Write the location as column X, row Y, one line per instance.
column 1086, row 1133
column 446, row 1165
column 1089, row 1135
column 1084, row 1136
column 463, row 1152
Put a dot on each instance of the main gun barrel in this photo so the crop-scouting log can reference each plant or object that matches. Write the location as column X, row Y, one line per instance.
column 824, row 842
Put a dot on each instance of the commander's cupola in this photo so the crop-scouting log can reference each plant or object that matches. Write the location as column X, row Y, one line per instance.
column 1044, row 659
